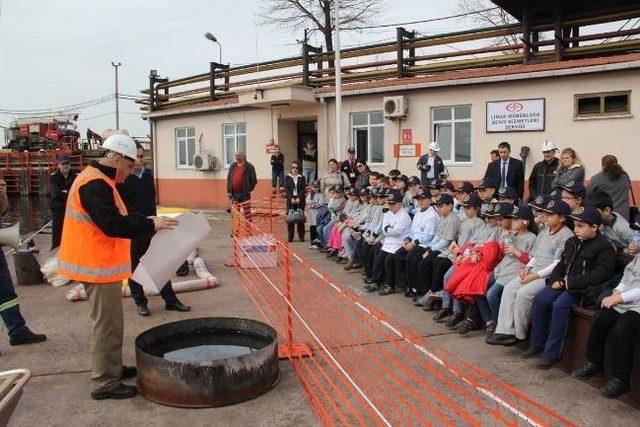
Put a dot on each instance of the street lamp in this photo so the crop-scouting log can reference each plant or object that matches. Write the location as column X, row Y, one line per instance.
column 213, row 38
column 115, row 66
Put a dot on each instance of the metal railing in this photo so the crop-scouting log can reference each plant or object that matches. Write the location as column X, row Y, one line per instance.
column 407, row 56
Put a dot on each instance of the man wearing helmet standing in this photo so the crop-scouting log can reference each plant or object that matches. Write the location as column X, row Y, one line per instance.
column 95, row 250
column 543, row 172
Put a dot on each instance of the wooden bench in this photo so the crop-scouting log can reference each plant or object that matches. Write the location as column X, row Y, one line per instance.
column 574, row 354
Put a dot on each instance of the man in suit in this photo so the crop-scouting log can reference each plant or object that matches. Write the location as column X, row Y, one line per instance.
column 507, row 171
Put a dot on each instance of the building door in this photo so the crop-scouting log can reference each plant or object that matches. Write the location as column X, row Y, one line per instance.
column 362, row 143
column 308, row 140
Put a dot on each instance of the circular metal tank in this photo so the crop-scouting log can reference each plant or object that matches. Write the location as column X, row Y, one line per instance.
column 206, row 362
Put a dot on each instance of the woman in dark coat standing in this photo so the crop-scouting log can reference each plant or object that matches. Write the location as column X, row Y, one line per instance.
column 294, row 188
column 614, row 181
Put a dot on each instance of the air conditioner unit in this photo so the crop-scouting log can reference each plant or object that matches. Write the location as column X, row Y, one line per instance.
column 395, row 107
column 206, row 162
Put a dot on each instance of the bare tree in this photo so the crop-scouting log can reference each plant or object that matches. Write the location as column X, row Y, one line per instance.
column 317, row 15
column 494, row 17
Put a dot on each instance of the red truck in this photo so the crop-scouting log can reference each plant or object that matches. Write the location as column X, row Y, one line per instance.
column 44, row 133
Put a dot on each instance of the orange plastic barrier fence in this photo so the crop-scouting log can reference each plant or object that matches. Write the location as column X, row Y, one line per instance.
column 358, row 365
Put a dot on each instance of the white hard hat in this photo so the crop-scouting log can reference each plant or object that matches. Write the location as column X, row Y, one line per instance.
column 121, row 144
column 548, row 146
column 434, row 146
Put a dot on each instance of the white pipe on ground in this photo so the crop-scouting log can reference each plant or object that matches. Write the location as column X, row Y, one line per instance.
column 205, row 280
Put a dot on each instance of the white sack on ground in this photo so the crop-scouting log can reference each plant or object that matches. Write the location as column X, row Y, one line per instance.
column 169, row 249
column 50, row 272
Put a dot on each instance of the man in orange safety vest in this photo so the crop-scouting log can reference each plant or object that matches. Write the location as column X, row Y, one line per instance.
column 95, row 250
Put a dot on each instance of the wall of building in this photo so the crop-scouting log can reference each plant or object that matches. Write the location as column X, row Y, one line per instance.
column 189, row 187
column 591, row 138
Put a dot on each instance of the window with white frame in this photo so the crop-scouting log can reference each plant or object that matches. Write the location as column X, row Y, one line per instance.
column 234, row 136
column 451, row 128
column 185, row 147
column 367, row 136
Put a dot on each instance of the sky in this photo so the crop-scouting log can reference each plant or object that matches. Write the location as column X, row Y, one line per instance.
column 59, row 52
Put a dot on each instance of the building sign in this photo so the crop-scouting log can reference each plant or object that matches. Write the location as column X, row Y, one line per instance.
column 517, row 115
column 270, row 147
column 407, row 136
column 406, row 150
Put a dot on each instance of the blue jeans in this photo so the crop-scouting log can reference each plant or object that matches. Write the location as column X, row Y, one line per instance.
column 324, row 235
column 551, row 309
column 309, row 175
column 9, row 308
column 447, row 299
column 489, row 305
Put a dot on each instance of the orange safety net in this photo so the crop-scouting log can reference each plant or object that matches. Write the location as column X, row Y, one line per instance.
column 358, row 365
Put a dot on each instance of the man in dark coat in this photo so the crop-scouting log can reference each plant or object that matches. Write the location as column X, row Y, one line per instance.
column 241, row 179
column 139, row 195
column 507, row 172
column 430, row 165
column 588, row 260
column 60, row 184
column 348, row 167
column 543, row 172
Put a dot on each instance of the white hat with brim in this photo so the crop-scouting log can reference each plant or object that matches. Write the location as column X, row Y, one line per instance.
column 549, row 146
column 434, row 146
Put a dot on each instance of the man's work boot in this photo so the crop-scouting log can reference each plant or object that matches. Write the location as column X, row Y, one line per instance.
column 122, row 391
column 26, row 336
column 143, row 310
column 176, row 306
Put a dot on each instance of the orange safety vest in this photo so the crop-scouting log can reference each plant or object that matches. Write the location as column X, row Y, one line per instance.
column 86, row 253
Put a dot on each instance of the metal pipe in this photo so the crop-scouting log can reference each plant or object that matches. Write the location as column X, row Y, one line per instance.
column 115, row 66
column 338, row 80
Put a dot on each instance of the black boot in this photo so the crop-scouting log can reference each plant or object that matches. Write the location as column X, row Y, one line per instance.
column 143, row 310
column 26, row 336
column 530, row 352
column 588, row 370
column 177, row 306
column 614, row 387
column 122, row 391
column 183, row 270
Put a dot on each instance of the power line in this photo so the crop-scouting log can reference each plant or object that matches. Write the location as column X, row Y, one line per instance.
column 422, row 21
column 619, row 29
column 110, row 113
column 66, row 108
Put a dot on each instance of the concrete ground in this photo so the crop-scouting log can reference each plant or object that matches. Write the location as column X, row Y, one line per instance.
column 58, row 395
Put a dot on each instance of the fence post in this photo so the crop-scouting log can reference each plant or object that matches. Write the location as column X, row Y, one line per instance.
column 235, row 218
column 271, row 215
column 287, row 295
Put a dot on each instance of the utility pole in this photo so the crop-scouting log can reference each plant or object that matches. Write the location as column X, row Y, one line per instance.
column 115, row 66
column 338, row 81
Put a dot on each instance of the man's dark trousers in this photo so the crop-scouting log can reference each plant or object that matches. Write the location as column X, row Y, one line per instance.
column 138, row 249
column 9, row 308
